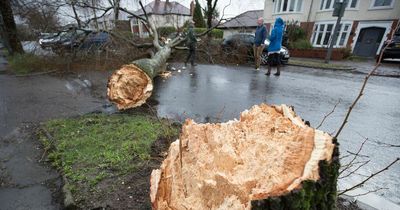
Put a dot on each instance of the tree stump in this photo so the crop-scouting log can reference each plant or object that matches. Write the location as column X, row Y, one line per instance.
column 269, row 159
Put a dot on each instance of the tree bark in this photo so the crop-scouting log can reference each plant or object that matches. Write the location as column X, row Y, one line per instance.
column 10, row 28
column 268, row 159
column 132, row 84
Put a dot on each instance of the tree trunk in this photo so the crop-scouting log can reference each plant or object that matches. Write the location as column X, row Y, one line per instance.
column 269, row 159
column 10, row 29
column 132, row 84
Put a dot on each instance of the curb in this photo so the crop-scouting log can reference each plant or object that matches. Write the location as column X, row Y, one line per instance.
column 325, row 68
column 378, row 75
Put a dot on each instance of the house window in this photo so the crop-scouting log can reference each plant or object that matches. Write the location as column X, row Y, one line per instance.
column 287, row 6
column 329, row 4
column 382, row 3
column 322, row 34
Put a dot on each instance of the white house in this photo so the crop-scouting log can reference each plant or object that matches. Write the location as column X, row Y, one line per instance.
column 107, row 21
column 163, row 14
column 365, row 26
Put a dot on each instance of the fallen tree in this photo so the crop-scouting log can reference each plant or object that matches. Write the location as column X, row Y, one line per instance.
column 269, row 159
column 132, row 84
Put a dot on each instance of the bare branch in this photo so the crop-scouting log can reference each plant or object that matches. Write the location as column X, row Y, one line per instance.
column 355, row 170
column 153, row 29
column 129, row 41
column 370, row 177
column 354, row 158
column 372, row 191
column 326, row 116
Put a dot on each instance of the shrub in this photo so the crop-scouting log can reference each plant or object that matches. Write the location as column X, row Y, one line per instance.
column 346, row 52
column 25, row 63
column 165, row 31
column 294, row 31
column 215, row 33
column 301, row 44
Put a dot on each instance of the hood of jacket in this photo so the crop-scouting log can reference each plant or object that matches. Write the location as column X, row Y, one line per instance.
column 279, row 22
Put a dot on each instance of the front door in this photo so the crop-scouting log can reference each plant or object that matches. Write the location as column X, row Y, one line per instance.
column 368, row 41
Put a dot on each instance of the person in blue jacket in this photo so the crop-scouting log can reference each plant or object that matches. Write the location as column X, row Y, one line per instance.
column 259, row 39
column 275, row 47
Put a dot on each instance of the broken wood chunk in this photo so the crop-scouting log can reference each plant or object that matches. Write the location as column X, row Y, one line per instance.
column 269, row 153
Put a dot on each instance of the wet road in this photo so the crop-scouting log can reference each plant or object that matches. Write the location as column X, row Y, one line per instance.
column 220, row 93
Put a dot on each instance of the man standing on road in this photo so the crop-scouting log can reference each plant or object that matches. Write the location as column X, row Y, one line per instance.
column 274, row 48
column 191, row 42
column 260, row 36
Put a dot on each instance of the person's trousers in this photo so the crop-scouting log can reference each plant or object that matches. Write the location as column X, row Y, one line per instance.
column 257, row 54
column 192, row 54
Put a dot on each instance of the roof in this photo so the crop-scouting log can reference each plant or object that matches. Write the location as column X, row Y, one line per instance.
column 246, row 19
column 164, row 8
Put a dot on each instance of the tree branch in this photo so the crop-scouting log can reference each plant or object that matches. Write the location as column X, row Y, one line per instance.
column 370, row 177
column 326, row 116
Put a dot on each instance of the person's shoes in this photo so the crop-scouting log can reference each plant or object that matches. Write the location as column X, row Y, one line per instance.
column 277, row 74
column 193, row 64
column 268, row 73
column 258, row 69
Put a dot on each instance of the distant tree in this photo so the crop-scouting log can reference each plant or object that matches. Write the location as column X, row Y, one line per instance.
column 38, row 15
column 9, row 29
column 198, row 16
column 211, row 12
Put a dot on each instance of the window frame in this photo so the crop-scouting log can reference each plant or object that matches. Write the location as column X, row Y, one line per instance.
column 372, row 7
column 316, row 32
column 276, row 10
column 323, row 5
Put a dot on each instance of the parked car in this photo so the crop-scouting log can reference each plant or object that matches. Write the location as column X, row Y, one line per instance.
column 75, row 39
column 393, row 48
column 246, row 40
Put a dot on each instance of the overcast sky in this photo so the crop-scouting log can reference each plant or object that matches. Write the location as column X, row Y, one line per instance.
column 236, row 7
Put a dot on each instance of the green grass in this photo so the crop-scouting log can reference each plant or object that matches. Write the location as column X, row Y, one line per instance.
column 93, row 147
column 318, row 65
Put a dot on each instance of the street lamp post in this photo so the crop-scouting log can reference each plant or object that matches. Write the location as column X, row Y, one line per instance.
column 338, row 11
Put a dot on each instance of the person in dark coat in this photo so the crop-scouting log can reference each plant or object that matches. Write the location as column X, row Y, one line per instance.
column 259, row 39
column 191, row 43
column 275, row 46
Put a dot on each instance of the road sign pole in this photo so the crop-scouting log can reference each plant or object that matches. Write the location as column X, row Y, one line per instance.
column 336, row 30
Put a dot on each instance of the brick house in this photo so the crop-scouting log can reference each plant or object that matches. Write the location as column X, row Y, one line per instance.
column 365, row 26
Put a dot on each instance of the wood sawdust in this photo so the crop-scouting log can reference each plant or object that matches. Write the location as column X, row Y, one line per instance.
column 268, row 152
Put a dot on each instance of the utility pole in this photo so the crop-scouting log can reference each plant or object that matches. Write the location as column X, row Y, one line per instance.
column 340, row 6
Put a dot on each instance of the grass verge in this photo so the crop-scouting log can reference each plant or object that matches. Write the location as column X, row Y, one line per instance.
column 97, row 152
column 319, row 65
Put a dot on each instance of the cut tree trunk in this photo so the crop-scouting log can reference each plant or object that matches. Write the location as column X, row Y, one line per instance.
column 132, row 84
column 269, row 159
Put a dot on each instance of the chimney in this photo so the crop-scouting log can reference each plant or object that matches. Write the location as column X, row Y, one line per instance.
column 192, row 5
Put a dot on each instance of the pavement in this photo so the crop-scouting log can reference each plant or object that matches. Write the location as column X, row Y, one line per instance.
column 388, row 67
